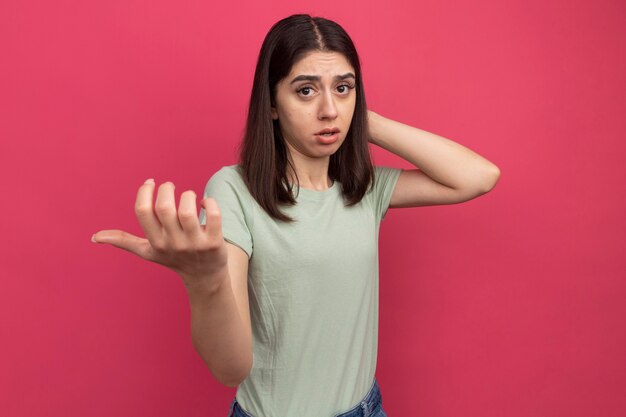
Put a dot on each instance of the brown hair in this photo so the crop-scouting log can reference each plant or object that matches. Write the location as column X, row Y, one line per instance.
column 264, row 156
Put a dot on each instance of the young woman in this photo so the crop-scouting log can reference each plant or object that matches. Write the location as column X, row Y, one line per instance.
column 281, row 266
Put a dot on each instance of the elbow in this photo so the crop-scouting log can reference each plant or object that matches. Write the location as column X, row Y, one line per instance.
column 490, row 179
column 232, row 381
column 234, row 378
column 481, row 185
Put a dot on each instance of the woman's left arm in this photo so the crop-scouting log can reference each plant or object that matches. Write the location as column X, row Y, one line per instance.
column 448, row 172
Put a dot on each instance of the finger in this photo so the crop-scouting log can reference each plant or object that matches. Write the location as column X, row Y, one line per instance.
column 165, row 208
column 213, row 227
column 123, row 240
column 188, row 215
column 144, row 212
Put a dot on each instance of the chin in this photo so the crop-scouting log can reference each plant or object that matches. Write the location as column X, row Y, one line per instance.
column 329, row 150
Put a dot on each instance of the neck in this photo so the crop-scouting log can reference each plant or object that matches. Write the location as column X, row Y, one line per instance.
column 312, row 173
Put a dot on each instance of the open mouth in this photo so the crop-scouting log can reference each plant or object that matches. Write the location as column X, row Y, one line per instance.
column 328, row 136
column 329, row 131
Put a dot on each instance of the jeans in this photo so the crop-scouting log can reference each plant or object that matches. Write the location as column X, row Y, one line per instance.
column 370, row 406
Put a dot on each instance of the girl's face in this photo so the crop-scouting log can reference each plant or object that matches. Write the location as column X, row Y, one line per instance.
column 314, row 104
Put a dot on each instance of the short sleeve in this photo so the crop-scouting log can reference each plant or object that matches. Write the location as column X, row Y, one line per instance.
column 385, row 180
column 227, row 188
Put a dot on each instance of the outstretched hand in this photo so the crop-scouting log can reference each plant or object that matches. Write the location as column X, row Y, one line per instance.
column 174, row 238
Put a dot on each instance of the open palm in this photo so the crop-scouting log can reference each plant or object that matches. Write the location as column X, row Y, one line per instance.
column 174, row 238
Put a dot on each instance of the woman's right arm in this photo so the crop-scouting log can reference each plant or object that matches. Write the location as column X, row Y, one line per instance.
column 220, row 322
column 214, row 273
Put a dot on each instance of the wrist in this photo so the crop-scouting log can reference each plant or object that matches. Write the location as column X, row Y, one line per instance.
column 202, row 287
column 373, row 120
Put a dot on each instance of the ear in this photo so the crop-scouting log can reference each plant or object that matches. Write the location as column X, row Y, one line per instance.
column 274, row 113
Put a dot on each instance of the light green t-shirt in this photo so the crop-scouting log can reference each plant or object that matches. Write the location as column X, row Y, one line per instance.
column 313, row 291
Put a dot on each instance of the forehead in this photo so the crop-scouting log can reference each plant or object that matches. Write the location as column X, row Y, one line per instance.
column 321, row 63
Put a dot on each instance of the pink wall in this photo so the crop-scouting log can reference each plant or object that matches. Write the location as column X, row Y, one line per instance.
column 508, row 305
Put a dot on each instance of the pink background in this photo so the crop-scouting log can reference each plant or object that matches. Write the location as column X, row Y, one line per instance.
column 509, row 305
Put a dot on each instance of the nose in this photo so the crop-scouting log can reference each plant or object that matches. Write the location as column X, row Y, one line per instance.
column 328, row 109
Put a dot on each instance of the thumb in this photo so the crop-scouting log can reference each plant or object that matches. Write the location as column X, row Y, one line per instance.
column 123, row 240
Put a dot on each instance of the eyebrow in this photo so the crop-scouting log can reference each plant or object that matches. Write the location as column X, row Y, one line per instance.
column 318, row 78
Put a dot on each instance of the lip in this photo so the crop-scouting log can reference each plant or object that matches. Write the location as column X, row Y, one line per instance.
column 332, row 130
column 328, row 140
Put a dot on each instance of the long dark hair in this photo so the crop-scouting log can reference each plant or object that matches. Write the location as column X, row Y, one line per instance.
column 264, row 156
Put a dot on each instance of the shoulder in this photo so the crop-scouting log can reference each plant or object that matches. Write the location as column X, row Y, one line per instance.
column 379, row 194
column 227, row 188
column 384, row 178
column 228, row 173
column 227, row 185
column 228, row 176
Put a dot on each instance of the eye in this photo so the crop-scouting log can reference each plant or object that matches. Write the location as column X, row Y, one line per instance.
column 344, row 88
column 305, row 91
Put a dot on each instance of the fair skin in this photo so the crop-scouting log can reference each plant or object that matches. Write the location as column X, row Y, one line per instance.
column 315, row 95
column 318, row 93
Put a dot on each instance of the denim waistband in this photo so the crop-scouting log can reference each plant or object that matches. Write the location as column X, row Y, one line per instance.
column 368, row 404
column 365, row 408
